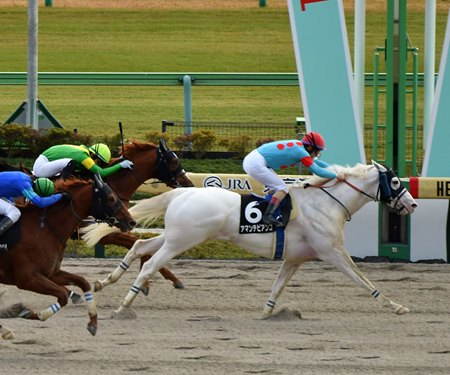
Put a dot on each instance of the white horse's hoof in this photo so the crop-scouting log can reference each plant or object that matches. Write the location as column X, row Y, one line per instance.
column 402, row 310
column 8, row 335
column 124, row 313
column 98, row 286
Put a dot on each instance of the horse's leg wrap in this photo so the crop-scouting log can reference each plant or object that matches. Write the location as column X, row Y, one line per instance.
column 92, row 311
column 112, row 277
column 48, row 312
column 386, row 302
column 75, row 297
column 270, row 305
column 128, row 300
column 91, row 305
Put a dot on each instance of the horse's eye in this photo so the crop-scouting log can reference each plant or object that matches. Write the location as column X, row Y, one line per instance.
column 395, row 183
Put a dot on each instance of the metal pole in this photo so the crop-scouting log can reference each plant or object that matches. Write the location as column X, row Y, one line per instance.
column 187, row 84
column 360, row 21
column 32, row 119
column 429, row 66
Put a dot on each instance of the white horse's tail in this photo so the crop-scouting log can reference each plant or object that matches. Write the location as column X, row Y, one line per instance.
column 145, row 211
column 148, row 210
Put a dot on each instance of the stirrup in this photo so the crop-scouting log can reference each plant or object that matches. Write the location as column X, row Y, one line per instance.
column 271, row 219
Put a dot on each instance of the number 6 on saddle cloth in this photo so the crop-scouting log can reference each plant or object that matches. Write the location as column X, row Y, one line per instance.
column 252, row 211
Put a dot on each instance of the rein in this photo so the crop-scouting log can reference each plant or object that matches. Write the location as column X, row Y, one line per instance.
column 97, row 209
column 376, row 199
column 323, row 188
column 43, row 221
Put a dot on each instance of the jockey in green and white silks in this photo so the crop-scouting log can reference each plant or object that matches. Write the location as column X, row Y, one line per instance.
column 53, row 160
column 18, row 184
column 261, row 162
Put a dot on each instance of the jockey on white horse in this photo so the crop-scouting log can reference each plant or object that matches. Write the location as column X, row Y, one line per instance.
column 261, row 162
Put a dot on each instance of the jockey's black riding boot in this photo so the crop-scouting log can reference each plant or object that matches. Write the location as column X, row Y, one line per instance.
column 69, row 170
column 269, row 216
column 5, row 224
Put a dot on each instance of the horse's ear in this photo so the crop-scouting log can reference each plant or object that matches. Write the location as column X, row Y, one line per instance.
column 162, row 145
column 380, row 167
column 98, row 180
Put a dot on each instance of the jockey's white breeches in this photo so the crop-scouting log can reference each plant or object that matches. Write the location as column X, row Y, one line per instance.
column 44, row 168
column 255, row 166
column 8, row 209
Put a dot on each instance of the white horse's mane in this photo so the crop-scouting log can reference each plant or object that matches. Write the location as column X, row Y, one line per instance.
column 359, row 170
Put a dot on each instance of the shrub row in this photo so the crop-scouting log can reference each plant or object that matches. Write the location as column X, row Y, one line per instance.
column 23, row 141
column 202, row 141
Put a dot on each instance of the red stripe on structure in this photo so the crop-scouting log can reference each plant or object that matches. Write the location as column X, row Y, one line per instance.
column 414, row 186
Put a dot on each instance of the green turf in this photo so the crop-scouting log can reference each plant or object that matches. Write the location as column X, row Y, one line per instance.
column 95, row 40
column 74, row 40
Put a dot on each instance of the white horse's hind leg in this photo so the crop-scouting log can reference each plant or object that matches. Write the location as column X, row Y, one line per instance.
column 342, row 260
column 6, row 333
column 284, row 275
column 139, row 249
column 153, row 265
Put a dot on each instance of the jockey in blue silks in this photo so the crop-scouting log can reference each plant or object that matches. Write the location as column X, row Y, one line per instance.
column 18, row 184
column 261, row 162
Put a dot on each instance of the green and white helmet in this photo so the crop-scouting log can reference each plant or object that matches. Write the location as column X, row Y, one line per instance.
column 44, row 187
column 102, row 151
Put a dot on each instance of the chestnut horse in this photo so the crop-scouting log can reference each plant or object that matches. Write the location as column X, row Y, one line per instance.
column 36, row 245
column 150, row 161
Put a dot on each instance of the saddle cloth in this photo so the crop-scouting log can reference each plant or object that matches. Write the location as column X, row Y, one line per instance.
column 252, row 211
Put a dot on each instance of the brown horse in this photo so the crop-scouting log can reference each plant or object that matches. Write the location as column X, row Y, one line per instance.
column 150, row 161
column 36, row 244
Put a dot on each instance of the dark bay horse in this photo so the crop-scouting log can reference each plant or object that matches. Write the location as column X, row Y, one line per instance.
column 36, row 245
column 150, row 162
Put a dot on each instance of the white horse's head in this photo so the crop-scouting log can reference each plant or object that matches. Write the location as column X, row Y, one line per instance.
column 393, row 193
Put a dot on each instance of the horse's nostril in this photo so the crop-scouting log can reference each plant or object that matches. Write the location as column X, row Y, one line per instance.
column 414, row 205
column 132, row 224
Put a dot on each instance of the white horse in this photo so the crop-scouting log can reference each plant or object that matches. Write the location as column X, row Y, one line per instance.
column 194, row 215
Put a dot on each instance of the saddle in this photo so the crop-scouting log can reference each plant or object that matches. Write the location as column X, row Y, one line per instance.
column 252, row 211
column 10, row 237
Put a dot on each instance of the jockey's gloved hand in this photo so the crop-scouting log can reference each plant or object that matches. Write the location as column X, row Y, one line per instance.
column 127, row 164
column 341, row 177
column 66, row 195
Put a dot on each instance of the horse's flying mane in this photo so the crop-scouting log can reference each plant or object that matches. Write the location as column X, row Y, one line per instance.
column 63, row 185
column 136, row 146
column 359, row 170
column 131, row 147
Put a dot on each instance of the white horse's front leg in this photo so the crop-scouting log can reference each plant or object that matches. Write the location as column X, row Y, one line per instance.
column 284, row 275
column 342, row 260
column 139, row 249
column 6, row 333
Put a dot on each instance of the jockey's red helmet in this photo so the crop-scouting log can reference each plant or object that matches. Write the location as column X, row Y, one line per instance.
column 314, row 139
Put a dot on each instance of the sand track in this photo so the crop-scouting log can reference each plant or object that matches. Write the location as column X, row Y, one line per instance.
column 213, row 326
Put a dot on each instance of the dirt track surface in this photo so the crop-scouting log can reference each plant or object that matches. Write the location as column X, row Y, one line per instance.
column 213, row 326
